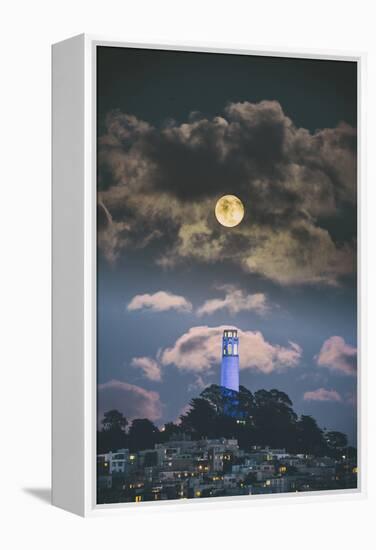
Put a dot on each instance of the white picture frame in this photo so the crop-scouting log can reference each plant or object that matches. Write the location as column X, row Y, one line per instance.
column 74, row 277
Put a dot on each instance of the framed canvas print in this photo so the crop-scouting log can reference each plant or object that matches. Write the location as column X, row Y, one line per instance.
column 205, row 275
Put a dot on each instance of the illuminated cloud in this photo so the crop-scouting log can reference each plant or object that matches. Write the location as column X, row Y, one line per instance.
column 338, row 356
column 133, row 401
column 159, row 186
column 301, row 253
column 199, row 351
column 235, row 301
column 149, row 366
column 160, row 301
column 322, row 394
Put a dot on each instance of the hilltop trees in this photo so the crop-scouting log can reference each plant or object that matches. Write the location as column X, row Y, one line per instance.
column 309, row 437
column 114, row 421
column 265, row 418
column 228, row 402
column 113, row 433
column 142, row 434
column 336, row 443
column 200, row 419
column 274, row 419
column 170, row 432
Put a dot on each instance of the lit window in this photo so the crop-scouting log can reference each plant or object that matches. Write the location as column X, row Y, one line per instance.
column 138, row 498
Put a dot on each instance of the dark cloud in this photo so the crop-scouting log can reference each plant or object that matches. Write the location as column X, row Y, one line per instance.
column 162, row 183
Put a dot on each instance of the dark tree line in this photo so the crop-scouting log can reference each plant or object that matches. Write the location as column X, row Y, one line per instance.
column 264, row 418
column 116, row 433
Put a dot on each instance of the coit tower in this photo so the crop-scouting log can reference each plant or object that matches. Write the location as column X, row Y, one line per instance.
column 230, row 360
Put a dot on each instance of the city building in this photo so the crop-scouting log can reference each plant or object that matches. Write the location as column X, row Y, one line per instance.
column 214, row 467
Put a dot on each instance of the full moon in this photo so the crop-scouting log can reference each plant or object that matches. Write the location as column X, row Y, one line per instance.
column 229, row 210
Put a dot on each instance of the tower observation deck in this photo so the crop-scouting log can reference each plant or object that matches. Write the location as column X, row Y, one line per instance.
column 230, row 360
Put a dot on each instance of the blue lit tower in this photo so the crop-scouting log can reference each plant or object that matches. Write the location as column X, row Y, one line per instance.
column 230, row 360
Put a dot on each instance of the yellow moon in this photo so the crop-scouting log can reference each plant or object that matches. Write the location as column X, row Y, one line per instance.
column 229, row 211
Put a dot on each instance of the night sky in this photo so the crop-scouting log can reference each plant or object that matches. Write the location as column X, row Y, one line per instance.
column 176, row 131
